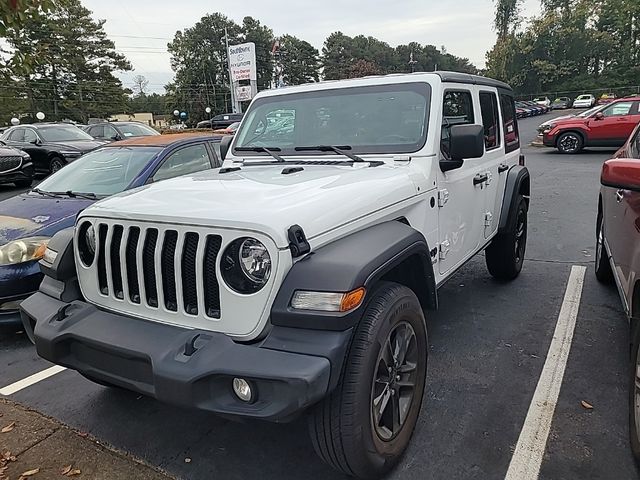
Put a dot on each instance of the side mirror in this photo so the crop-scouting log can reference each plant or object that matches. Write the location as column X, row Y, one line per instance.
column 621, row 173
column 116, row 137
column 599, row 116
column 35, row 141
column 465, row 141
column 225, row 143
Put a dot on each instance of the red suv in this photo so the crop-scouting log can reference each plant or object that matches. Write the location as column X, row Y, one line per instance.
column 618, row 254
column 603, row 126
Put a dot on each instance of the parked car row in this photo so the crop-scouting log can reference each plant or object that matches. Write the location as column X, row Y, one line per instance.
column 526, row 108
column 32, row 218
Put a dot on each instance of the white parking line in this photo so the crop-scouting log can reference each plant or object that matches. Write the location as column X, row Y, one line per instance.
column 527, row 458
column 31, row 380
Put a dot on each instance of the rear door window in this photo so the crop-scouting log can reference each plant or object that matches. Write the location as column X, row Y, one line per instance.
column 490, row 120
column 509, row 123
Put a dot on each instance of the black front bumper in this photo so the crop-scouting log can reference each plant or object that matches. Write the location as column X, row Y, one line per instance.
column 26, row 172
column 290, row 370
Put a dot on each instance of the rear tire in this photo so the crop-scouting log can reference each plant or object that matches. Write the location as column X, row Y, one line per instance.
column 604, row 274
column 505, row 255
column 570, row 143
column 23, row 183
column 56, row 164
column 363, row 427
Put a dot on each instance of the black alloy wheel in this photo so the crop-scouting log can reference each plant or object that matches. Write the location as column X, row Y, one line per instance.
column 570, row 143
column 56, row 164
column 394, row 382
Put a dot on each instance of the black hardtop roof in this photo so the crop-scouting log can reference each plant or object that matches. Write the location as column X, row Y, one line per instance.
column 457, row 77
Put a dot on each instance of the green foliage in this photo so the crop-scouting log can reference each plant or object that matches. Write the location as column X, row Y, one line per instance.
column 299, row 60
column 14, row 13
column 346, row 57
column 574, row 45
column 62, row 63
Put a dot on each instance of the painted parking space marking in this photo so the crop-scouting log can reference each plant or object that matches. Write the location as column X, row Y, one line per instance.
column 31, row 380
column 527, row 457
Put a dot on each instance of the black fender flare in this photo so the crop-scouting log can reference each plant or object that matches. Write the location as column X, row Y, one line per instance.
column 358, row 260
column 518, row 184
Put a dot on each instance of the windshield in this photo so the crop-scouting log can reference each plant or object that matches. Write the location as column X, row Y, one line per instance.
column 58, row 133
column 136, row 130
column 105, row 171
column 591, row 111
column 584, row 97
column 372, row 119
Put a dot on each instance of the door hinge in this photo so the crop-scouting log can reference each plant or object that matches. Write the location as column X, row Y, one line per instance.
column 444, row 249
column 488, row 219
column 443, row 197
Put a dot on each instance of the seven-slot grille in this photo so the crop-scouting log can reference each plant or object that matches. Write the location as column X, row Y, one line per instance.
column 9, row 163
column 159, row 267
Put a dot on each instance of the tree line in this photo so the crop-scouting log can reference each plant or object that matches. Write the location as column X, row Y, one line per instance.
column 573, row 45
column 59, row 60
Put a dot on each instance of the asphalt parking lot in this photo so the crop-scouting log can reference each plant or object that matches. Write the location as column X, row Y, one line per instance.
column 487, row 348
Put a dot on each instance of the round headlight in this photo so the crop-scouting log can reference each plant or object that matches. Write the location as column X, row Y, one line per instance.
column 255, row 260
column 246, row 265
column 87, row 243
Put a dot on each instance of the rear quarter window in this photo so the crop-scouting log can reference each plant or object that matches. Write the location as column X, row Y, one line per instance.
column 509, row 123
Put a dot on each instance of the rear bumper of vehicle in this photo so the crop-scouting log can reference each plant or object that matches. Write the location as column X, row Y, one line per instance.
column 26, row 172
column 290, row 370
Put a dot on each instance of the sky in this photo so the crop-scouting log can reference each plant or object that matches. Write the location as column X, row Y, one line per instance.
column 141, row 29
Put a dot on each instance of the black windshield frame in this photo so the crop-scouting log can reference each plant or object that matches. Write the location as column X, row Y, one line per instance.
column 422, row 88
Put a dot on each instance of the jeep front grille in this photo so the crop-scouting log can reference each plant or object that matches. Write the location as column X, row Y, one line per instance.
column 9, row 163
column 152, row 267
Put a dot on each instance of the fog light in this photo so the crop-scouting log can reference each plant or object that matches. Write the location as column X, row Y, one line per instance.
column 242, row 389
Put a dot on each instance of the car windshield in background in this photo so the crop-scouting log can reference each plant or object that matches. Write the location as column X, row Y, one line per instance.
column 58, row 133
column 105, row 171
column 375, row 119
column 133, row 130
column 591, row 111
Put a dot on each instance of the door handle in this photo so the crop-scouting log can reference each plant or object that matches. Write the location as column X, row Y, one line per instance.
column 480, row 178
column 619, row 196
column 503, row 167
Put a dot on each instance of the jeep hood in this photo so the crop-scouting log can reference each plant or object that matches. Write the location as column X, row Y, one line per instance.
column 265, row 198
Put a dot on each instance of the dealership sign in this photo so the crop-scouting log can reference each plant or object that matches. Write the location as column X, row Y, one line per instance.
column 243, row 93
column 242, row 62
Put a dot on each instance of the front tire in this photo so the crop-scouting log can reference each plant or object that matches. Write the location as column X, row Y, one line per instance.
column 505, row 255
column 363, row 427
column 604, row 274
column 634, row 396
column 570, row 143
column 56, row 164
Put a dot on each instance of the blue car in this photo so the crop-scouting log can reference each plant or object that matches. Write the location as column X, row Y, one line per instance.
column 29, row 220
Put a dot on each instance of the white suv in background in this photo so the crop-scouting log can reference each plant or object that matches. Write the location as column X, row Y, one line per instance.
column 584, row 101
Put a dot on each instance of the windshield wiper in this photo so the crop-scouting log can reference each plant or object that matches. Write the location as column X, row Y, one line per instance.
column 45, row 194
column 269, row 150
column 340, row 150
column 72, row 194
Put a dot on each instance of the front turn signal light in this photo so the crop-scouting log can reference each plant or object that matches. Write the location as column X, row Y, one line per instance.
column 328, row 301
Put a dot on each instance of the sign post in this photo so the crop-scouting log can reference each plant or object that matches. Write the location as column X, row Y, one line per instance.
column 242, row 68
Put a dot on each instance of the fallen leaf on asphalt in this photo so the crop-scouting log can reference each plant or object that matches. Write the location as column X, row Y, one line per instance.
column 30, row 473
column 586, row 405
column 8, row 428
column 66, row 470
column 73, row 473
column 83, row 434
column 187, row 460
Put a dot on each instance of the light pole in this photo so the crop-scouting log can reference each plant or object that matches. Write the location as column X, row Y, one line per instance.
column 40, row 116
column 15, row 121
column 176, row 113
column 208, row 110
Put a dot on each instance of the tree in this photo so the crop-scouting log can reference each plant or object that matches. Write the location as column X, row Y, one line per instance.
column 14, row 13
column 140, row 84
column 299, row 61
column 262, row 37
column 73, row 61
column 507, row 17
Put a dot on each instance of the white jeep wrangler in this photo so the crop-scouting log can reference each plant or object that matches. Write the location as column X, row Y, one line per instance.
column 296, row 278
